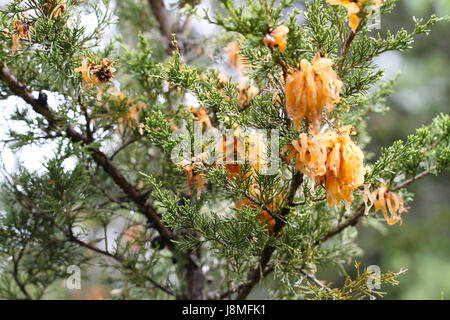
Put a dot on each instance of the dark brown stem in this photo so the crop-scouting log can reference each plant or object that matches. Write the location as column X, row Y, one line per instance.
column 68, row 232
column 229, row 292
column 345, row 50
column 351, row 221
column 161, row 15
column 122, row 147
column 347, row 45
column 41, row 107
column 87, row 117
column 19, row 283
column 166, row 28
column 119, row 259
column 195, row 278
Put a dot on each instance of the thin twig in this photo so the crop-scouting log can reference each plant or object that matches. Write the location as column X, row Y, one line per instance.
column 122, row 147
column 119, row 259
column 255, row 275
column 413, row 179
column 354, row 218
column 331, row 124
column 16, row 274
column 313, row 279
column 347, row 45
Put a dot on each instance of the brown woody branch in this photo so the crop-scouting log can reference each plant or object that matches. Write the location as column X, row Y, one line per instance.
column 413, row 179
column 19, row 283
column 72, row 238
column 161, row 15
column 229, row 292
column 41, row 107
column 165, row 27
column 345, row 50
column 350, row 221
column 347, row 46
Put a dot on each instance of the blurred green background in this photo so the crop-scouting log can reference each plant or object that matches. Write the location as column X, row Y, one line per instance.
column 422, row 243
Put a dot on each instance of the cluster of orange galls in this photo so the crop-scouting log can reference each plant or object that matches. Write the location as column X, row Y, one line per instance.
column 331, row 158
column 328, row 158
column 23, row 29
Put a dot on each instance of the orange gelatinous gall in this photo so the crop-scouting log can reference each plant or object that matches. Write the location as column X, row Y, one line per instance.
column 331, row 159
column 311, row 89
